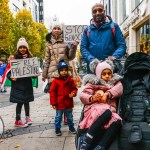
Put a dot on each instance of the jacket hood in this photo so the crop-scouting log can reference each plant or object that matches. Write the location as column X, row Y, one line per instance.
column 91, row 78
column 105, row 25
column 50, row 38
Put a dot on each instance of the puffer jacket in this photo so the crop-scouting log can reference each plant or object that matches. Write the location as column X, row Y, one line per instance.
column 93, row 110
column 62, row 51
column 59, row 93
column 100, row 43
column 21, row 90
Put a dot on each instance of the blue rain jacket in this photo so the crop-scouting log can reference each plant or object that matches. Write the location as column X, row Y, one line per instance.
column 101, row 43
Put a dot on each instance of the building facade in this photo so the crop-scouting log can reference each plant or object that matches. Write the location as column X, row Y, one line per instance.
column 34, row 6
column 133, row 16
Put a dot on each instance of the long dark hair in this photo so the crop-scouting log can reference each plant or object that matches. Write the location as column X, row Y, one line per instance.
column 18, row 55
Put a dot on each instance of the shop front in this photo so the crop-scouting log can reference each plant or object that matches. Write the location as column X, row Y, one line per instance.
column 143, row 38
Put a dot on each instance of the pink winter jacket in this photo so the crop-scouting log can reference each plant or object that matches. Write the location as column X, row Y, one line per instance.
column 93, row 110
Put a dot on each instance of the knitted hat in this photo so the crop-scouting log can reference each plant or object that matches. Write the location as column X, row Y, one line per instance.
column 102, row 66
column 56, row 24
column 22, row 42
column 62, row 64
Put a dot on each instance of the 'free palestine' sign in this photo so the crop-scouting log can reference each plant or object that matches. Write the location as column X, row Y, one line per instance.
column 24, row 67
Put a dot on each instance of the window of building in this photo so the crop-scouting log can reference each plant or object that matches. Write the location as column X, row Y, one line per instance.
column 143, row 38
column 125, row 4
column 127, row 44
column 108, row 8
column 41, row 4
column 116, row 11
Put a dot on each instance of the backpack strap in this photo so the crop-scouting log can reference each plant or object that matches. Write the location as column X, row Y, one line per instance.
column 112, row 27
column 88, row 31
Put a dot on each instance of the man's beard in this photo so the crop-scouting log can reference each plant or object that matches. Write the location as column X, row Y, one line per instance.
column 100, row 20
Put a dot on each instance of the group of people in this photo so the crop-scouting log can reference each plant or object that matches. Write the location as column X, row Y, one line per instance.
column 99, row 46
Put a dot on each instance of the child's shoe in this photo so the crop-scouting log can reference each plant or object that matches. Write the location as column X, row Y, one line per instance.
column 19, row 123
column 99, row 148
column 28, row 120
column 58, row 132
column 72, row 130
column 85, row 143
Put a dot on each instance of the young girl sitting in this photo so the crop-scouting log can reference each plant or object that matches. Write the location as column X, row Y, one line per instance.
column 99, row 97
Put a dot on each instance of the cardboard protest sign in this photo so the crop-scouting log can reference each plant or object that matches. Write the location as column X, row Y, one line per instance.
column 73, row 32
column 24, row 67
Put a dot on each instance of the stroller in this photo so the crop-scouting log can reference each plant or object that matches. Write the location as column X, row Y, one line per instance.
column 118, row 68
column 134, row 105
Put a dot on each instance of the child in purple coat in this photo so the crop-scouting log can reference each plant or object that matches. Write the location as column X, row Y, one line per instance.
column 99, row 97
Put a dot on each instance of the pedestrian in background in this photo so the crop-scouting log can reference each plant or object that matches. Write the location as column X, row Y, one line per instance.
column 21, row 88
column 62, row 91
column 102, row 39
column 2, row 70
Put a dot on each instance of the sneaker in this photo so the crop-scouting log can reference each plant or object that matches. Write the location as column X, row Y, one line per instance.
column 28, row 120
column 99, row 148
column 85, row 143
column 58, row 132
column 19, row 123
column 72, row 130
column 4, row 91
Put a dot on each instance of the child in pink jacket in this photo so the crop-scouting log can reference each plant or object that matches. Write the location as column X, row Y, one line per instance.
column 99, row 97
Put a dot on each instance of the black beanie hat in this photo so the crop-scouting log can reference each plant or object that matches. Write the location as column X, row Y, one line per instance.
column 62, row 64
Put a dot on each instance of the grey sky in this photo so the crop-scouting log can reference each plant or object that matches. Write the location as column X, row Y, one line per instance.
column 70, row 12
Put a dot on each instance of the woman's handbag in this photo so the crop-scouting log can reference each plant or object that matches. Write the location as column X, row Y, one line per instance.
column 72, row 69
column 77, row 81
column 46, row 87
column 76, row 77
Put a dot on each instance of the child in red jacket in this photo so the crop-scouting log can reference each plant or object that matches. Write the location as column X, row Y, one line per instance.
column 62, row 91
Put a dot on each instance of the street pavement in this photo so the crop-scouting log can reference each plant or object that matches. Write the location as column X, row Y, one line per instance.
column 41, row 134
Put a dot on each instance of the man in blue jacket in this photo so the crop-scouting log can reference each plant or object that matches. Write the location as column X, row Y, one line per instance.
column 102, row 39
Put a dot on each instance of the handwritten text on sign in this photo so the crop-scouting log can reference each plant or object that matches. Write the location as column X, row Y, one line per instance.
column 73, row 32
column 24, row 67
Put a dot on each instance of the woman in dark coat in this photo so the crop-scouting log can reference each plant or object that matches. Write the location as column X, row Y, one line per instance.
column 21, row 88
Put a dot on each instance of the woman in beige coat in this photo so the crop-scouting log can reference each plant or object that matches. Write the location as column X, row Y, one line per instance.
column 56, row 50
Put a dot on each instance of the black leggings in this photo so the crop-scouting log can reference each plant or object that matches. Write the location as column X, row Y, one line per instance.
column 18, row 110
column 109, row 134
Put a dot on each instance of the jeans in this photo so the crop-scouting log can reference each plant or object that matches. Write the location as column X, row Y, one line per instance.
column 58, row 118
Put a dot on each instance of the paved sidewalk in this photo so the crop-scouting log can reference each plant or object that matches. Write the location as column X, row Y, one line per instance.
column 41, row 135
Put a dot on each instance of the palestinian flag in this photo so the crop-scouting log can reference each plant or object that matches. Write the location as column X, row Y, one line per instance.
column 14, row 63
column 4, row 76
